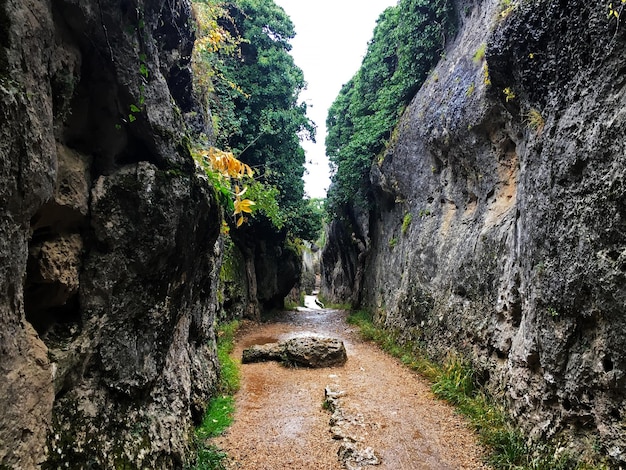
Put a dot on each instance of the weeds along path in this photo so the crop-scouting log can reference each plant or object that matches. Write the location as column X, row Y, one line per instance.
column 280, row 422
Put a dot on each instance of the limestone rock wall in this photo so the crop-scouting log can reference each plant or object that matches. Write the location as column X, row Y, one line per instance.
column 498, row 229
column 108, row 253
column 270, row 267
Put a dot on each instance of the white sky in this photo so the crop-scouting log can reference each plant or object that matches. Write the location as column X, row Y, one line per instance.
column 331, row 40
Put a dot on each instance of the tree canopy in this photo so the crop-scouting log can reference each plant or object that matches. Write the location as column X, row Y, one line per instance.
column 254, row 101
column 407, row 42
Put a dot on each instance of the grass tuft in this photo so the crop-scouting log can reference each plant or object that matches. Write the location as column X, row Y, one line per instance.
column 535, row 120
column 218, row 416
column 210, row 458
column 229, row 373
column 220, row 410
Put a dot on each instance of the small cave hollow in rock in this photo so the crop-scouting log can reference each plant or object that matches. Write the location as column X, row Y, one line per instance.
column 51, row 301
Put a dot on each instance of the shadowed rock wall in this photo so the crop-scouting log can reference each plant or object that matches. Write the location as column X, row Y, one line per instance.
column 108, row 255
column 514, row 249
column 270, row 267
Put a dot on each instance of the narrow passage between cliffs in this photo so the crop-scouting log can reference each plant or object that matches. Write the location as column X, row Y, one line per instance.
column 378, row 408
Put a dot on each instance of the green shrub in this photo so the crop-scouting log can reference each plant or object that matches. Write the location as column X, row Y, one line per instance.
column 406, row 222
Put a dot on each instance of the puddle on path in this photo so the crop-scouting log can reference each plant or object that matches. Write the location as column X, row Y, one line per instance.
column 252, row 340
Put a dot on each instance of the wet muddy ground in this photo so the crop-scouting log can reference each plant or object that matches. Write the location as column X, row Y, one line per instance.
column 280, row 422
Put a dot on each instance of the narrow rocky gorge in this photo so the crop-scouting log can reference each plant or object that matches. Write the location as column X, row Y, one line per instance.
column 495, row 229
column 497, row 220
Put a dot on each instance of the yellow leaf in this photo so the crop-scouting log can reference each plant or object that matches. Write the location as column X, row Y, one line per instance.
column 239, row 221
column 243, row 206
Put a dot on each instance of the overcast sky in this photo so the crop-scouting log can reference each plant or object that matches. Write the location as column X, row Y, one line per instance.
column 331, row 40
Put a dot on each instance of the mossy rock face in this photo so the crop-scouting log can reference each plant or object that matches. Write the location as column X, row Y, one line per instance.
column 233, row 291
column 131, row 441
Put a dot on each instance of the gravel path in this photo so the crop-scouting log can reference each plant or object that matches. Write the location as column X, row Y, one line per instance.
column 280, row 422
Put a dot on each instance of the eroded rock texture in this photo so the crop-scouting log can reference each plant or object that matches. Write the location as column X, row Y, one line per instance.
column 514, row 250
column 270, row 267
column 108, row 247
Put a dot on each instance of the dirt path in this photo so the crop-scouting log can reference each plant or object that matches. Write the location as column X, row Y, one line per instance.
column 280, row 423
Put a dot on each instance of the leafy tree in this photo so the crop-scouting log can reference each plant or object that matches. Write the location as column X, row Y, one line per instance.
column 254, row 101
column 260, row 119
column 408, row 40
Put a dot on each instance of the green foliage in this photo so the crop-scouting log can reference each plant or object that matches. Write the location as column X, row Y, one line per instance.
column 229, row 373
column 408, row 40
column 553, row 312
column 218, row 417
column 260, row 118
column 251, row 84
column 306, row 222
column 406, row 222
column 454, row 381
column 266, row 198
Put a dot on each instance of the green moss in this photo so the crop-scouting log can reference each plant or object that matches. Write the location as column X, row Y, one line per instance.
column 470, row 89
column 406, row 222
column 479, row 55
column 232, row 262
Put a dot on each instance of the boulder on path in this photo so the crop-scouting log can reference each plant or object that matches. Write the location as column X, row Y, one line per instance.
column 300, row 352
column 262, row 353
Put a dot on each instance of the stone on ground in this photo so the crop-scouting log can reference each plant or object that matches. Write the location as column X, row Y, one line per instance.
column 310, row 352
